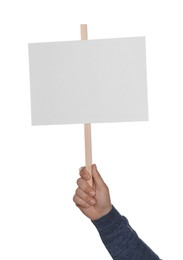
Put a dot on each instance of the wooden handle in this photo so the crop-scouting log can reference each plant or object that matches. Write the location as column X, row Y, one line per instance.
column 84, row 33
column 87, row 127
column 88, row 150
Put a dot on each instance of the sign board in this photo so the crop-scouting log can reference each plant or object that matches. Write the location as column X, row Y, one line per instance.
column 92, row 81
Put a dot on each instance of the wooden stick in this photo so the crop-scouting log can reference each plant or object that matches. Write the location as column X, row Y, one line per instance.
column 84, row 33
column 87, row 127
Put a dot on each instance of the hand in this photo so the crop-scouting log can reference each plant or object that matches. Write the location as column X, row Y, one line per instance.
column 94, row 202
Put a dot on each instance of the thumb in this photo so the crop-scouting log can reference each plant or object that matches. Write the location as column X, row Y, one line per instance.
column 98, row 181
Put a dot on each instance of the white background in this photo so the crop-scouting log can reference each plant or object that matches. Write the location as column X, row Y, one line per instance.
column 140, row 162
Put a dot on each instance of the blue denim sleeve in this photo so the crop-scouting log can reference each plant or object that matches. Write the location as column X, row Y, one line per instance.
column 121, row 241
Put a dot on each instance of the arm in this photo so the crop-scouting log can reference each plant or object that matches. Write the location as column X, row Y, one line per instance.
column 121, row 241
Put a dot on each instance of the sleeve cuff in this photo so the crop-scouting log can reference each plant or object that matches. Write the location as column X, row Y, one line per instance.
column 110, row 222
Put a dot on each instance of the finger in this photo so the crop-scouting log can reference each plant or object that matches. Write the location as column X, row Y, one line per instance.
column 84, row 173
column 97, row 177
column 83, row 185
column 80, row 202
column 80, row 193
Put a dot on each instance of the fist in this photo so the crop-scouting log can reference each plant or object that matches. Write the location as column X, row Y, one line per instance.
column 94, row 202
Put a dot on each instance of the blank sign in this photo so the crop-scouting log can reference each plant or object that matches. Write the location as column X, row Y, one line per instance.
column 90, row 81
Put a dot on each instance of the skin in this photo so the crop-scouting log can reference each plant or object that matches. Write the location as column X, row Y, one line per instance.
column 94, row 202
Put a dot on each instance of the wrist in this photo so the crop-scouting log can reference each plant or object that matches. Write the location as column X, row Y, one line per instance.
column 102, row 213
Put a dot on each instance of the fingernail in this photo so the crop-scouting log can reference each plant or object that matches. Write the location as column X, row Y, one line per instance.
column 92, row 201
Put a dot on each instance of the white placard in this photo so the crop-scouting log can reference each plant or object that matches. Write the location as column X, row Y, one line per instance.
column 90, row 81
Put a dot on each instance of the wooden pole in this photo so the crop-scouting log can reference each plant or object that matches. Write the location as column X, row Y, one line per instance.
column 87, row 127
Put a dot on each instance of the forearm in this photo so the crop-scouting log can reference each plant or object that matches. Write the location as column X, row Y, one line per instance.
column 121, row 240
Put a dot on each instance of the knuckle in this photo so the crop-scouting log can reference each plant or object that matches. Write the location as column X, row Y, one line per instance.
column 88, row 189
column 77, row 191
column 86, row 198
column 82, row 195
column 78, row 181
column 83, row 185
column 86, row 205
column 81, row 170
column 74, row 198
